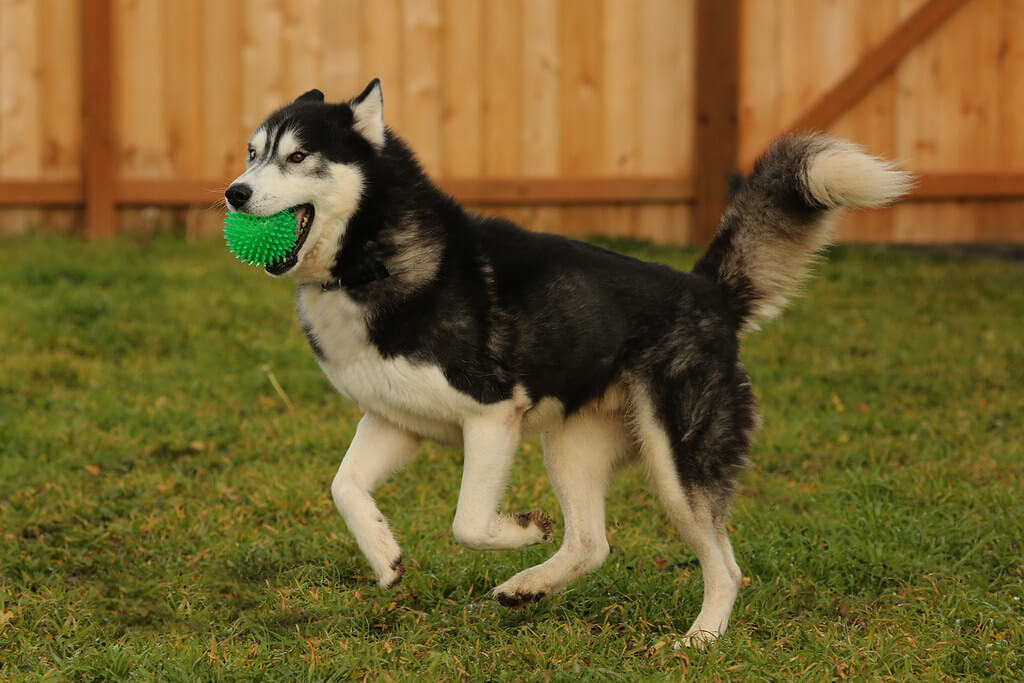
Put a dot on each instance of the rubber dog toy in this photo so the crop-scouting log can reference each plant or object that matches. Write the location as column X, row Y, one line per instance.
column 260, row 240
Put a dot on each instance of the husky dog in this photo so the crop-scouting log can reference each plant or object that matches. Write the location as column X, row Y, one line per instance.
column 473, row 332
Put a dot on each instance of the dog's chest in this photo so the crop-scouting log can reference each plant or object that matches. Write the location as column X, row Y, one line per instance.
column 413, row 394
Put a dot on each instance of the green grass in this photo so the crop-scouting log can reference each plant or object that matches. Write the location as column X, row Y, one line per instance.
column 164, row 514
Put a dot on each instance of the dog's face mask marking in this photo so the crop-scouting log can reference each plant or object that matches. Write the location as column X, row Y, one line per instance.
column 313, row 157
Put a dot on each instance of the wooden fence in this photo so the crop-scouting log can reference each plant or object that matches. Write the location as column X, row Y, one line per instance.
column 621, row 117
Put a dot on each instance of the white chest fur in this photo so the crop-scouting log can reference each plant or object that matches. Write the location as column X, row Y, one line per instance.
column 412, row 394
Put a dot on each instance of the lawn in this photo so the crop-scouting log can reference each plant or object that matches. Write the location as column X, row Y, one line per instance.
column 167, row 444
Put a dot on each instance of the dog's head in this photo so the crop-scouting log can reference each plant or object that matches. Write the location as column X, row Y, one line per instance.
column 313, row 157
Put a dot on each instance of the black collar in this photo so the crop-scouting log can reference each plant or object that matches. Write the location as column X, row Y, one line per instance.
column 360, row 276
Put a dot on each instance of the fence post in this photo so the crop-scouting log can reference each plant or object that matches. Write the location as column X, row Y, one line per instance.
column 716, row 146
column 97, row 95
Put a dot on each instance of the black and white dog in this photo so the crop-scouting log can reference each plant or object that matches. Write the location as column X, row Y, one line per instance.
column 470, row 331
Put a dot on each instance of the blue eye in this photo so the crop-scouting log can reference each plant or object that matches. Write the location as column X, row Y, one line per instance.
column 252, row 154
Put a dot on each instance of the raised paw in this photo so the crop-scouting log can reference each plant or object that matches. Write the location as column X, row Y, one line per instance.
column 540, row 521
column 393, row 576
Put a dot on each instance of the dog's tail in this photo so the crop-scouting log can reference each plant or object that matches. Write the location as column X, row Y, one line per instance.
column 782, row 217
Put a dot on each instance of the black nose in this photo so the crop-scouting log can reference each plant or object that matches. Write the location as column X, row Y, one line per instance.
column 238, row 195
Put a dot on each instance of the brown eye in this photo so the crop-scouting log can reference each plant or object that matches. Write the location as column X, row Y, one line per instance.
column 296, row 157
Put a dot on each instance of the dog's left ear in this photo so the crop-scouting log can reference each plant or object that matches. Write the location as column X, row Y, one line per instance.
column 368, row 114
column 313, row 95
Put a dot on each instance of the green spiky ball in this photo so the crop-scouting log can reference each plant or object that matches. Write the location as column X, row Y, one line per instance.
column 260, row 240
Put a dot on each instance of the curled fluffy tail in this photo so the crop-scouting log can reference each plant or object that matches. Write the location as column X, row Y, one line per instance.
column 783, row 216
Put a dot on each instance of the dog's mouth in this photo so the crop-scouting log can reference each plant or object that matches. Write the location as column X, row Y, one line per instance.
column 304, row 214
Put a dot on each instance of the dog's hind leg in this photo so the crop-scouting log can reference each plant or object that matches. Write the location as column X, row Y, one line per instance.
column 579, row 456
column 378, row 449
column 490, row 441
column 698, row 511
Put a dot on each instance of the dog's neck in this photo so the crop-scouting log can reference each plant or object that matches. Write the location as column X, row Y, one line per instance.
column 396, row 261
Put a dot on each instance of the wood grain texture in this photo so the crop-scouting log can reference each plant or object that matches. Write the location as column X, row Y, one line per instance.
column 100, row 165
column 421, row 37
column 342, row 73
column 876, row 63
column 716, row 111
column 462, row 96
column 501, row 107
column 550, row 111
column 138, row 85
column 21, row 141
column 382, row 56
column 541, row 127
column 303, row 46
column 224, row 133
column 183, row 96
column 580, row 28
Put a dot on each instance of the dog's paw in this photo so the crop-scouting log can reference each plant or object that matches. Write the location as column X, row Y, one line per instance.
column 393, row 575
column 525, row 588
column 697, row 639
column 539, row 522
column 517, row 599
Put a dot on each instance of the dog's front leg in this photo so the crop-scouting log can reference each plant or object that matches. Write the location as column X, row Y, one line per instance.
column 490, row 440
column 378, row 449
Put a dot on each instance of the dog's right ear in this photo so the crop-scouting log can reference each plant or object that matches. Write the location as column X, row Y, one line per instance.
column 313, row 95
column 368, row 114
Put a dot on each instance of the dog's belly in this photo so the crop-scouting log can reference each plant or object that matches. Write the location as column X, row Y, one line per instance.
column 413, row 395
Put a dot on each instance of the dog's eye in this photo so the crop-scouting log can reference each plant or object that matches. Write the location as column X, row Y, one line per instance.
column 252, row 154
column 296, row 157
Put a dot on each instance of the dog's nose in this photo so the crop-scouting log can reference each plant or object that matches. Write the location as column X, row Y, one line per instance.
column 237, row 195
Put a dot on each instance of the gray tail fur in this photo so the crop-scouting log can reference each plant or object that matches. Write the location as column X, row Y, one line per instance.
column 782, row 217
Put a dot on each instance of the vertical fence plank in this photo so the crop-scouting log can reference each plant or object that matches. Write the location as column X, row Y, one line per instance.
column 872, row 123
column 341, row 71
column 582, row 111
column 502, row 85
column 760, row 78
column 262, row 76
column 97, row 25
column 682, row 124
column 382, row 55
column 462, row 98
column 182, row 62
column 59, row 32
column 225, row 133
column 541, row 129
column 143, row 148
column 501, row 104
column 20, row 86
column 717, row 135
column 935, row 79
column 21, row 135
column 59, row 36
column 302, row 47
column 421, row 35
column 622, row 38
column 654, row 111
column 1010, row 224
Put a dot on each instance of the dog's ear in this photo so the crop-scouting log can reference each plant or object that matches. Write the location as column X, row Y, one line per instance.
column 368, row 114
column 313, row 95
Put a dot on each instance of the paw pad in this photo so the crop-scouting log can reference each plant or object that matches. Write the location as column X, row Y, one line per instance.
column 518, row 600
